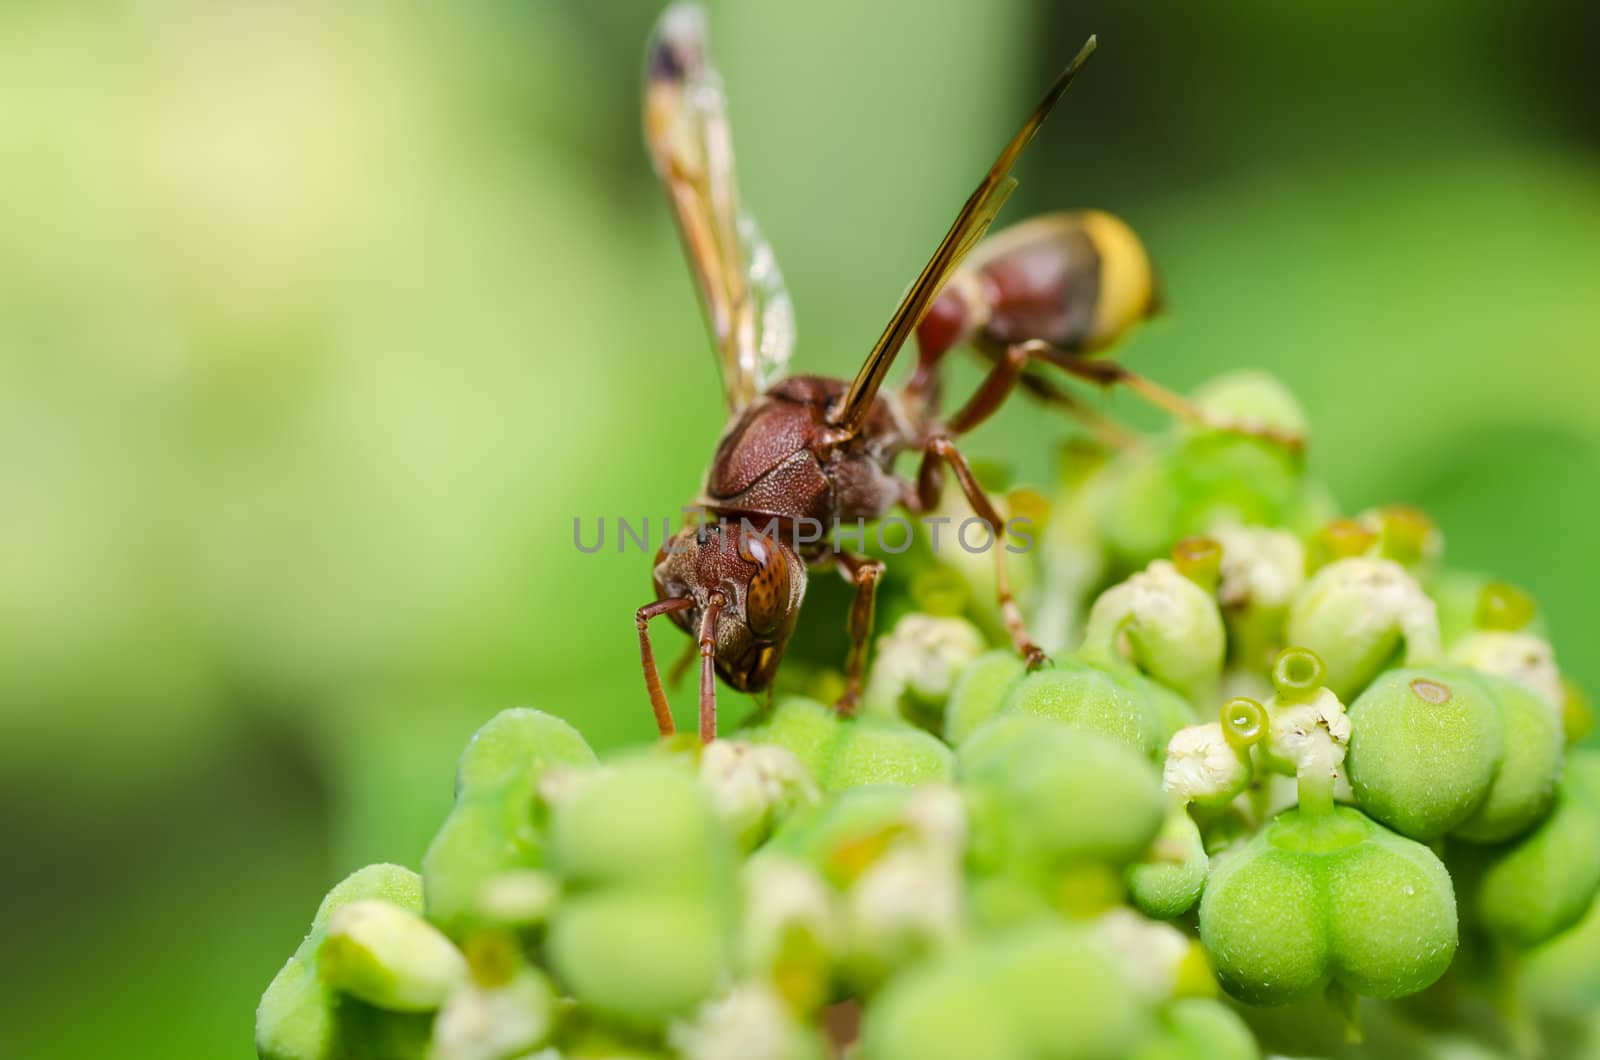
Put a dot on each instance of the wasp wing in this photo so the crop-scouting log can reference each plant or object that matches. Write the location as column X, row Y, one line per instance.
column 746, row 306
column 970, row 225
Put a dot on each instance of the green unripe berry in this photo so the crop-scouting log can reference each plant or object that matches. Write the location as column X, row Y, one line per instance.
column 850, row 752
column 1424, row 748
column 980, row 692
column 1441, row 750
column 644, row 819
column 881, row 751
column 639, row 956
column 492, row 827
column 1197, row 1028
column 1530, row 764
column 1542, row 884
column 1053, row 795
column 1114, row 701
column 1168, row 880
column 1047, row 992
column 1327, row 898
column 301, row 1018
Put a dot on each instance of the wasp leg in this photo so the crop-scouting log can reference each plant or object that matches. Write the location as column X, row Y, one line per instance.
column 708, row 668
column 929, row 483
column 647, row 658
column 863, row 572
column 1008, row 372
column 1107, row 373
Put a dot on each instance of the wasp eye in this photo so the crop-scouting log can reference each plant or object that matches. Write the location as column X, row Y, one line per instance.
column 766, row 597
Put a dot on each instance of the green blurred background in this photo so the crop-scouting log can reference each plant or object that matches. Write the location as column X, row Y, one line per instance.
column 319, row 323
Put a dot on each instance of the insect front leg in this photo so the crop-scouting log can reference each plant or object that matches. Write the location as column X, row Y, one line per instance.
column 929, row 482
column 647, row 658
column 864, row 573
column 708, row 667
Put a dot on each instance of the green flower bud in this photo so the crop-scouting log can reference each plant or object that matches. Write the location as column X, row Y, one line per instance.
column 639, row 955
column 1050, row 991
column 492, row 1022
column 1052, row 795
column 1356, row 614
column 1328, row 898
column 851, row 752
column 980, row 692
column 754, row 786
column 915, row 665
column 1165, row 625
column 301, row 1018
column 1166, row 882
column 1544, row 882
column 750, row 1021
column 492, row 827
column 1197, row 1029
column 1424, row 749
column 1113, row 701
column 389, row 957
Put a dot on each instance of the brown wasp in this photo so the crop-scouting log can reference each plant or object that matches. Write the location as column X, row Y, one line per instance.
column 813, row 450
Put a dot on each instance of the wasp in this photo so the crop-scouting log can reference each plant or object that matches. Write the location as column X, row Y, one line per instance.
column 1051, row 292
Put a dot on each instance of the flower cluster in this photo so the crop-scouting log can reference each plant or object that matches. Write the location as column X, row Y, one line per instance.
column 1297, row 785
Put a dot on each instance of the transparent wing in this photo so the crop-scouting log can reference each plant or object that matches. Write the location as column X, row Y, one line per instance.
column 970, row 225
column 747, row 308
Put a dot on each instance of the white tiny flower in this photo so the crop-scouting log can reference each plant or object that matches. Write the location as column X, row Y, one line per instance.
column 781, row 893
column 1310, row 737
column 749, row 782
column 559, row 783
column 910, row 897
column 1388, row 598
column 519, row 896
column 1525, row 658
column 487, row 1023
column 1165, row 624
column 748, row 1023
column 938, row 815
column 922, row 656
column 1202, row 766
column 1150, row 951
column 1260, row 567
